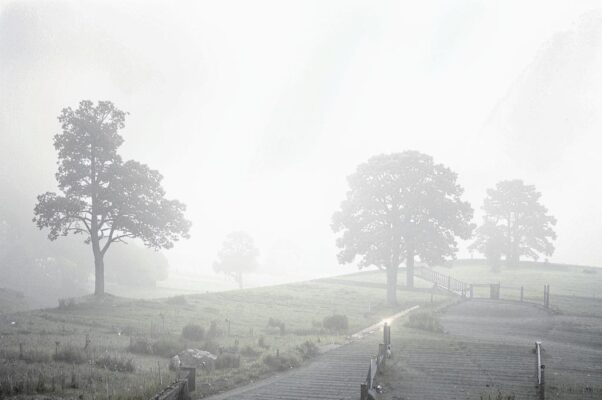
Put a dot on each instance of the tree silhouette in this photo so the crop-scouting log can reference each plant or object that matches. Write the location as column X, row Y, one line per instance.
column 238, row 255
column 103, row 198
column 400, row 206
column 515, row 218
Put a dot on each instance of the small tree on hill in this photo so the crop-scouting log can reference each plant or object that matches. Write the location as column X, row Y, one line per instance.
column 516, row 222
column 237, row 256
column 102, row 197
column 400, row 206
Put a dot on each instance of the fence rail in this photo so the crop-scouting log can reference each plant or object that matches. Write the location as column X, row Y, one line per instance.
column 443, row 281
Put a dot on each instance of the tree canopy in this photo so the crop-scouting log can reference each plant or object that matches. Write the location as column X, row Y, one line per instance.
column 102, row 197
column 400, row 206
column 516, row 222
column 237, row 256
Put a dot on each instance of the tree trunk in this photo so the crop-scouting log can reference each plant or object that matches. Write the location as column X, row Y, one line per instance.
column 239, row 279
column 410, row 267
column 392, row 285
column 99, row 277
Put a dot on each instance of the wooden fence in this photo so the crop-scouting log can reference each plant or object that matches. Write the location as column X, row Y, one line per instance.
column 368, row 389
column 181, row 388
column 495, row 291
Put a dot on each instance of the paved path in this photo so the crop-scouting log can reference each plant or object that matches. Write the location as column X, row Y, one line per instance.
column 334, row 375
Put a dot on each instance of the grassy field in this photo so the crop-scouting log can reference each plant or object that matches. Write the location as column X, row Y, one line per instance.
column 235, row 323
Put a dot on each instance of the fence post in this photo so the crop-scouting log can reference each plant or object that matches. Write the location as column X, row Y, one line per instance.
column 382, row 354
column 363, row 391
column 542, row 385
column 191, row 377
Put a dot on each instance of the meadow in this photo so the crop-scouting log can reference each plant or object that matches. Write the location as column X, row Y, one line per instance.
column 120, row 348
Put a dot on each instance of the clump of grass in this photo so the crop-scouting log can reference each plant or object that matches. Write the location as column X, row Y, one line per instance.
column 336, row 323
column 71, row 355
column 308, row 349
column 262, row 343
column 281, row 362
column 193, row 332
column 276, row 323
column 426, row 321
column 115, row 363
column 214, row 331
column 29, row 356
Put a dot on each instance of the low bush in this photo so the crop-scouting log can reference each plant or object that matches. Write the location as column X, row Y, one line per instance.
column 308, row 349
column 71, row 355
column 261, row 343
column 214, row 331
column 425, row 320
column 227, row 360
column 115, row 363
column 166, row 348
column 162, row 347
column 29, row 356
column 249, row 351
column 281, row 362
column 193, row 332
column 336, row 323
column 276, row 323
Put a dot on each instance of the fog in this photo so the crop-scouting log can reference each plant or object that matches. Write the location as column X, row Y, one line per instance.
column 256, row 112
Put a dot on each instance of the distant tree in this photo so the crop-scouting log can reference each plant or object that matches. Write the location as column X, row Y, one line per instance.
column 103, row 198
column 517, row 221
column 490, row 243
column 400, row 206
column 237, row 256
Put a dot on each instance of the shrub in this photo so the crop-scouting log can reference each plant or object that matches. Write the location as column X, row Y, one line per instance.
column 214, row 331
column 336, row 323
column 308, row 349
column 162, row 347
column 140, row 346
column 66, row 303
column 193, row 332
column 261, row 343
column 425, row 320
column 276, row 323
column 115, row 363
column 227, row 360
column 249, row 351
column 166, row 348
column 281, row 362
column 71, row 355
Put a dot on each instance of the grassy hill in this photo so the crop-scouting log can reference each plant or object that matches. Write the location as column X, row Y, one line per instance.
column 12, row 301
column 130, row 341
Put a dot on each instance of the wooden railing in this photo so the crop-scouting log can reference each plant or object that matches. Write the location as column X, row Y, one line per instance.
column 368, row 389
column 443, row 281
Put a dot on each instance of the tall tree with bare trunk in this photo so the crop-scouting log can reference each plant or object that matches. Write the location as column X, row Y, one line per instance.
column 102, row 197
column 401, row 206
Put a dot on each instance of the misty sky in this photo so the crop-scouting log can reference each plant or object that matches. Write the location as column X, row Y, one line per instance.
column 255, row 111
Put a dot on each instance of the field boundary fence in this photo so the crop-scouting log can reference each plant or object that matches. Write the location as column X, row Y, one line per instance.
column 181, row 388
column 369, row 389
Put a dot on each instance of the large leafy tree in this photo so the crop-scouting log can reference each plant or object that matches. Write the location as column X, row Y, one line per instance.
column 102, row 197
column 401, row 206
column 515, row 223
column 237, row 256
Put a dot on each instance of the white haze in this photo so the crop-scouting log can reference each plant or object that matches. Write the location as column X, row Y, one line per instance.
column 255, row 112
